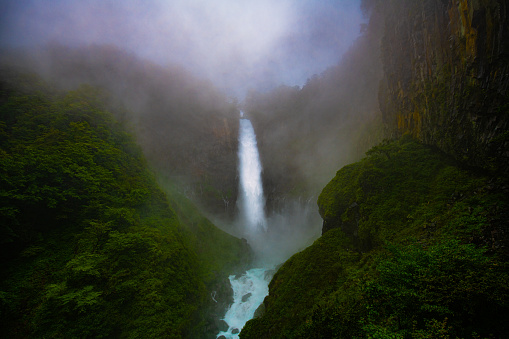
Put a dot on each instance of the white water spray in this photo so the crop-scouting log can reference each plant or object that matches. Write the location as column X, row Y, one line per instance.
column 251, row 288
column 287, row 233
column 252, row 202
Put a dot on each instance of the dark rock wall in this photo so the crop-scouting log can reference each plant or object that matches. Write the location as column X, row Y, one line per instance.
column 446, row 76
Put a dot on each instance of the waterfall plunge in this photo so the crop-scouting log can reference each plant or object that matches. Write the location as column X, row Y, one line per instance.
column 250, row 289
column 273, row 239
column 251, row 190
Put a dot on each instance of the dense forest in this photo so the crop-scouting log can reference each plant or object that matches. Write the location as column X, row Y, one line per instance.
column 186, row 128
column 118, row 182
column 91, row 247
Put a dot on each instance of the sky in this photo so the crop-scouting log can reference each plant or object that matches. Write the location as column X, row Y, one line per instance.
column 236, row 44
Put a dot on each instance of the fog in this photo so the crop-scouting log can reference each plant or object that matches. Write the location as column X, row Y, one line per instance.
column 236, row 44
column 177, row 70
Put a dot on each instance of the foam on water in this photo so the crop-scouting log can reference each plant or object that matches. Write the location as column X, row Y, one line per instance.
column 249, row 290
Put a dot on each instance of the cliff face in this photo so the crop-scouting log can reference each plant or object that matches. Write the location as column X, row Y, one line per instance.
column 446, row 76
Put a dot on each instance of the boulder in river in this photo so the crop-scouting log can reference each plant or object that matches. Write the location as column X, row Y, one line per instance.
column 246, row 297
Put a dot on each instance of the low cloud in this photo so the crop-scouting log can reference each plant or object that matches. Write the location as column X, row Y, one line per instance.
column 237, row 44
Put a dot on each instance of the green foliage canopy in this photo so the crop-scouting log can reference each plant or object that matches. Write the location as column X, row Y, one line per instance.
column 413, row 246
column 90, row 246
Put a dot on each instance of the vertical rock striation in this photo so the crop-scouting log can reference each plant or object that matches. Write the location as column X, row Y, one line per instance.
column 446, row 76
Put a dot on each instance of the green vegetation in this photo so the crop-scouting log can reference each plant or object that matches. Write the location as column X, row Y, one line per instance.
column 185, row 126
column 90, row 244
column 295, row 289
column 413, row 247
column 219, row 253
column 401, row 188
column 446, row 289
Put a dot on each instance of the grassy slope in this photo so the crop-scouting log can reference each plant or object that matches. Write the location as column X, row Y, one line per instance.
column 415, row 249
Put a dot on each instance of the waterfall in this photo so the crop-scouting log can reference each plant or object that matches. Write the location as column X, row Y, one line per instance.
column 252, row 201
column 288, row 233
column 251, row 288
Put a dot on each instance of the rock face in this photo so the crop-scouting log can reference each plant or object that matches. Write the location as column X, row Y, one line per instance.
column 220, row 299
column 246, row 297
column 259, row 311
column 446, row 76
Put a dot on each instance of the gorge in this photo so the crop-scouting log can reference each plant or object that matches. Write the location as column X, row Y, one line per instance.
column 137, row 201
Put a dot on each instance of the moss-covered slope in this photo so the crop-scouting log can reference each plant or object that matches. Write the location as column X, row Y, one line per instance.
column 413, row 247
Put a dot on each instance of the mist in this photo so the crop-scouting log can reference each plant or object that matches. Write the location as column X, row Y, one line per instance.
column 177, row 70
column 238, row 45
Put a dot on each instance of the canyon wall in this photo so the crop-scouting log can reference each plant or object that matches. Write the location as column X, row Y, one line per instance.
column 446, row 76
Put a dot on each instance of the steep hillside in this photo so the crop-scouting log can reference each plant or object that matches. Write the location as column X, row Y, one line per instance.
column 219, row 256
column 186, row 128
column 413, row 247
column 90, row 244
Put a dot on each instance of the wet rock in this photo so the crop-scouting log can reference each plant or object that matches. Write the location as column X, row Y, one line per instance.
column 246, row 297
column 235, row 331
column 259, row 311
column 222, row 326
